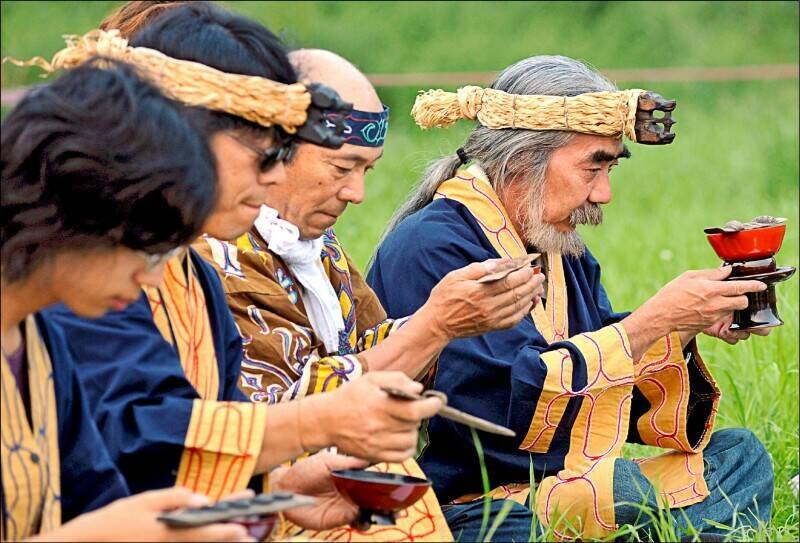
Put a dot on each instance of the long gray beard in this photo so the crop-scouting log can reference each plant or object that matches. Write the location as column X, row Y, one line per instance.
column 548, row 239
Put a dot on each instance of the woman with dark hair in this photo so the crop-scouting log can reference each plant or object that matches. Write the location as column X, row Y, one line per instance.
column 163, row 374
column 102, row 179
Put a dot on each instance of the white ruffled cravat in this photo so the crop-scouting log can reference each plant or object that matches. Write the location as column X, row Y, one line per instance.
column 303, row 259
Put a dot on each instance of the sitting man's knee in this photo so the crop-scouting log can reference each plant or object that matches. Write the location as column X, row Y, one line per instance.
column 465, row 520
column 750, row 455
column 745, row 441
column 633, row 493
column 734, row 437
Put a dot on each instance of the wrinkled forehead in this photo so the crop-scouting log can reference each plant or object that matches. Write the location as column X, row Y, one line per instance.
column 595, row 148
column 356, row 153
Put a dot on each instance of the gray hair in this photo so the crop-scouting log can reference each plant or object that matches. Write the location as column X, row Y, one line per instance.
column 507, row 155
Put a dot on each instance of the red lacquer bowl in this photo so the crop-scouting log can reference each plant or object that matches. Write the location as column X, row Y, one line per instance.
column 748, row 244
column 382, row 492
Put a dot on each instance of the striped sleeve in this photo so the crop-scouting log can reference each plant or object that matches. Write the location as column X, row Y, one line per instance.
column 325, row 374
column 222, row 446
column 375, row 334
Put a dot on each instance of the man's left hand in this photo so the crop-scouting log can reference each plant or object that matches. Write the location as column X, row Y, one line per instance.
column 721, row 330
column 312, row 477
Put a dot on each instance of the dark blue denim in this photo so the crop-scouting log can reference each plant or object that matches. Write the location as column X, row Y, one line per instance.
column 465, row 521
column 738, row 471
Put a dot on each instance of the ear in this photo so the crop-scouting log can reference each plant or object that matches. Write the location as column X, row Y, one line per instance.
column 512, row 196
column 513, row 192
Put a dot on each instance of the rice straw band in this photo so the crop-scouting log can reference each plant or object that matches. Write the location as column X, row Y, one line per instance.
column 256, row 99
column 599, row 113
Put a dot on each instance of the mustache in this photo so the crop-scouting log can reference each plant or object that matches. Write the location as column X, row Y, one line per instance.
column 591, row 214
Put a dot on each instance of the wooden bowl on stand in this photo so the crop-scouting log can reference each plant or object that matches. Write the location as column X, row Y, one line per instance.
column 378, row 496
column 751, row 253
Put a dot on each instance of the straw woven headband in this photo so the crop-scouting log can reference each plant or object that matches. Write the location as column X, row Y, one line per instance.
column 599, row 113
column 256, row 99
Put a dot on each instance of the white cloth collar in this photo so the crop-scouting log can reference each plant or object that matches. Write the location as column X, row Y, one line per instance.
column 303, row 257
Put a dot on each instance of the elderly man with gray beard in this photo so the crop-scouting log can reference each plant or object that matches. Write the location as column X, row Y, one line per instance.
column 575, row 380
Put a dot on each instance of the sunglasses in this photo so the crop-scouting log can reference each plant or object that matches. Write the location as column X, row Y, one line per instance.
column 268, row 158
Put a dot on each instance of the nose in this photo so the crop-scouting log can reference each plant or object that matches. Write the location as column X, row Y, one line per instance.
column 353, row 192
column 151, row 277
column 601, row 191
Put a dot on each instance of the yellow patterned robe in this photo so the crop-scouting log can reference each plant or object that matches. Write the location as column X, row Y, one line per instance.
column 224, row 437
column 284, row 359
column 30, row 489
column 54, row 463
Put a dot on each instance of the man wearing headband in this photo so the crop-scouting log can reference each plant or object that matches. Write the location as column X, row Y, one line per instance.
column 310, row 322
column 161, row 374
column 576, row 380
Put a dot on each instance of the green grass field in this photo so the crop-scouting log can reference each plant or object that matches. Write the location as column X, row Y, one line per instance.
column 735, row 156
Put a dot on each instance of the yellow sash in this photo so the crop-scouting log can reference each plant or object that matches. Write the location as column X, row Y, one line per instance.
column 224, row 438
column 476, row 193
column 181, row 315
column 30, row 456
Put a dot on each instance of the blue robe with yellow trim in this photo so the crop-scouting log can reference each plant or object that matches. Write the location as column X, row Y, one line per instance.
column 85, row 478
column 152, row 418
column 563, row 378
column 497, row 376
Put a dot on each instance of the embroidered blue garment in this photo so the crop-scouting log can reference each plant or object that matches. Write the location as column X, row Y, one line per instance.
column 497, row 376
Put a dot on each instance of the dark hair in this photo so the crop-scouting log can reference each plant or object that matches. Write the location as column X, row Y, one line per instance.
column 204, row 33
column 130, row 17
column 99, row 158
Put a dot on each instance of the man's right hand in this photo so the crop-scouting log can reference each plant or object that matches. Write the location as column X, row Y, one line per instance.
column 362, row 420
column 460, row 306
column 689, row 304
column 311, row 476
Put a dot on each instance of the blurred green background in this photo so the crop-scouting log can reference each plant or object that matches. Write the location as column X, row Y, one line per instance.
column 735, row 156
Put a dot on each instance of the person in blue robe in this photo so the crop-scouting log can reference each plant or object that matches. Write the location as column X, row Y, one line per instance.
column 89, row 479
column 575, row 380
